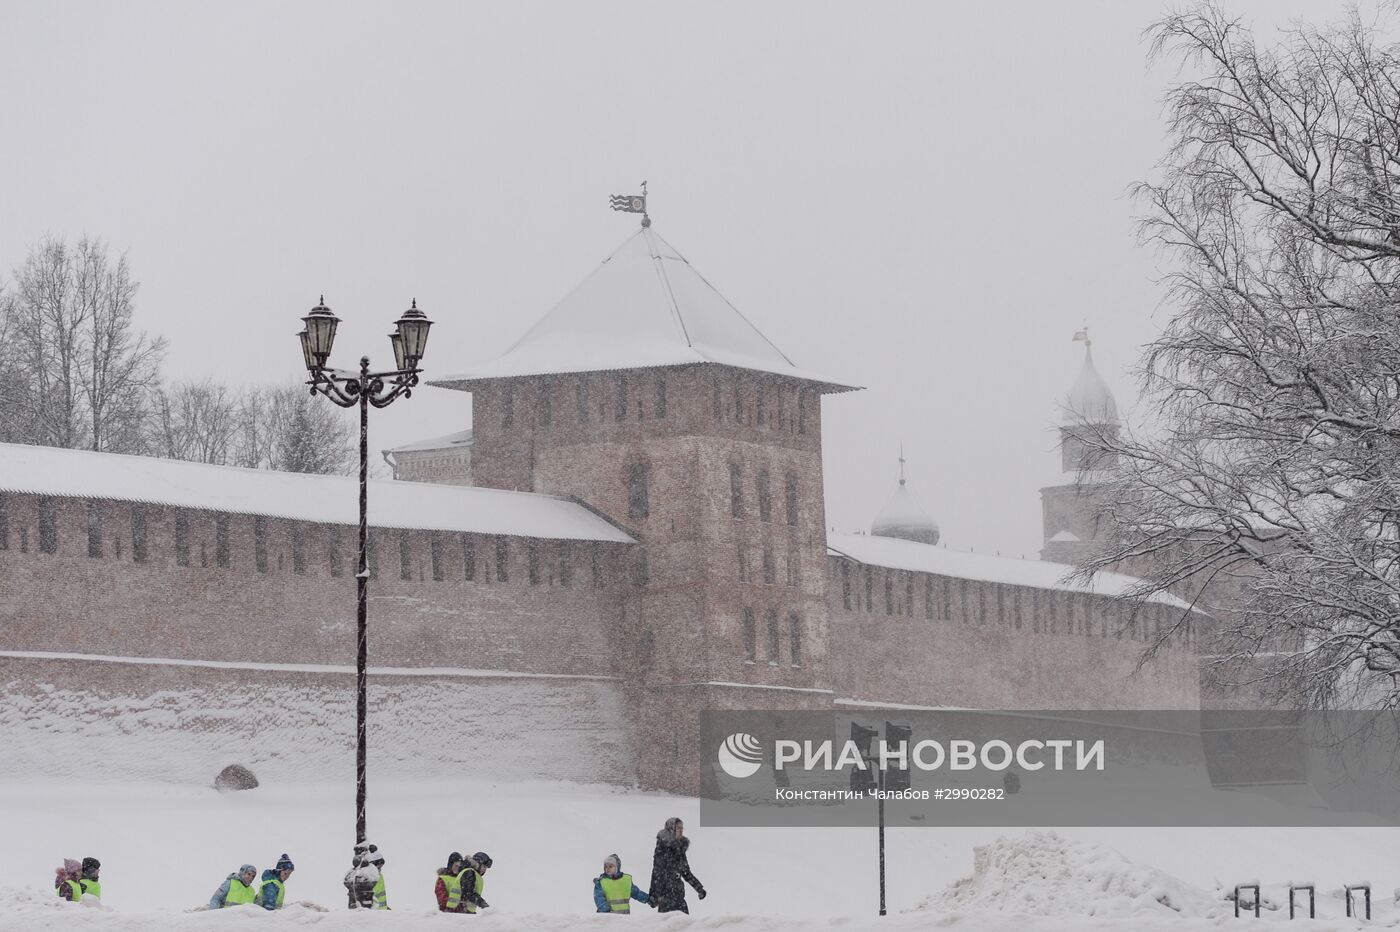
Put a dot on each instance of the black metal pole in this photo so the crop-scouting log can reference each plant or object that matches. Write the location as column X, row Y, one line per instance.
column 882, row 838
column 362, row 616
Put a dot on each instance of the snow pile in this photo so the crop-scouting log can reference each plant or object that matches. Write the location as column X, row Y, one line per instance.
column 1041, row 873
column 285, row 729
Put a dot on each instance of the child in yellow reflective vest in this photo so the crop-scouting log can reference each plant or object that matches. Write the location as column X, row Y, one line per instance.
column 614, row 891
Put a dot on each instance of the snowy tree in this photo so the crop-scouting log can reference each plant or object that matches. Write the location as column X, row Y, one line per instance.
column 285, row 427
column 79, row 374
column 194, row 421
column 1265, row 480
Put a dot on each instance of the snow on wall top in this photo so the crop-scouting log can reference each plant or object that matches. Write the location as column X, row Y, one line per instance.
column 960, row 564
column 453, row 441
column 323, row 499
column 645, row 306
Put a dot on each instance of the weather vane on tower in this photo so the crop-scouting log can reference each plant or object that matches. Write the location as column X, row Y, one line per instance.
column 632, row 204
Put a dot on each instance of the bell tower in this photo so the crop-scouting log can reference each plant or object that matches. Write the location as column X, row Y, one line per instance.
column 650, row 398
column 1072, row 508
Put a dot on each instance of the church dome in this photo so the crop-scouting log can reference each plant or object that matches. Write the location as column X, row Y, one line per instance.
column 1090, row 401
column 904, row 517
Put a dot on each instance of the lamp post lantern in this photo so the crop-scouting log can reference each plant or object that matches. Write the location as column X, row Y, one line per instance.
column 364, row 389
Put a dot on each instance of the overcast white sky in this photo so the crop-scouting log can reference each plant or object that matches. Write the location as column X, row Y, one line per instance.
column 925, row 198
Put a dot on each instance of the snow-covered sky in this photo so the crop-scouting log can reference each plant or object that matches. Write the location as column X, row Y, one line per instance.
column 925, row 198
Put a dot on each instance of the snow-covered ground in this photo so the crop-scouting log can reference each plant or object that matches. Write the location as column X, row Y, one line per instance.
column 166, row 846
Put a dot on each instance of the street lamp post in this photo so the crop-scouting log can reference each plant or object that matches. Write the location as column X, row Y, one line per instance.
column 365, row 389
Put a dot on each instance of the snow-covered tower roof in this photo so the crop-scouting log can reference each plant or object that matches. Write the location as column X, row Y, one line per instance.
column 645, row 306
column 903, row 516
column 1090, row 401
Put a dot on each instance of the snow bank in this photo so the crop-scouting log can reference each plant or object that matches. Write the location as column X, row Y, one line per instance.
column 285, row 729
column 1042, row 873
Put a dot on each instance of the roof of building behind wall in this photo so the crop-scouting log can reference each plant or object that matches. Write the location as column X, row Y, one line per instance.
column 458, row 440
column 981, row 567
column 297, row 496
column 645, row 306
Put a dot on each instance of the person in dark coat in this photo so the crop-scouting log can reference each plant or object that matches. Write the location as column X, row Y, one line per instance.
column 670, row 866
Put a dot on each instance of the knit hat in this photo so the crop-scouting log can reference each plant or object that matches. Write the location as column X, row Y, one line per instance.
column 91, row 864
column 248, row 869
column 453, row 858
column 482, row 858
column 614, row 860
column 284, row 863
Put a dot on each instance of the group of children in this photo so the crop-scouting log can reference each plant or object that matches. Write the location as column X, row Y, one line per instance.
column 458, row 887
column 76, row 879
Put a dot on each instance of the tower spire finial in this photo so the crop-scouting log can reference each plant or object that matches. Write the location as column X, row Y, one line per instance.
column 901, row 462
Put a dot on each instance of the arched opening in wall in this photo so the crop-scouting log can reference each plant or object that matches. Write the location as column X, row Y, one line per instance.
column 48, row 524
column 760, row 413
column 546, row 403
column 765, row 497
column 845, row 585
column 405, row 556
column 182, row 538
column 502, row 560
column 909, row 595
column 221, row 539
column 771, row 616
column 620, row 398
column 716, row 403
column 736, row 491
column 790, row 498
column 566, row 563
column 333, row 556
column 743, row 562
column 928, row 596
column 889, row 591
column 659, row 403
column 532, row 561
column 638, row 499
column 435, row 555
column 259, row 541
column 802, row 410
column 750, row 636
column 795, row 639
column 770, row 573
column 869, row 589
column 468, row 557
column 298, row 545
column 507, row 405
column 581, row 398
column 94, row 528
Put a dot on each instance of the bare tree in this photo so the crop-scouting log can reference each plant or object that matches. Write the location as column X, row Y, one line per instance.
column 195, row 421
column 286, row 428
column 1266, row 484
column 81, row 375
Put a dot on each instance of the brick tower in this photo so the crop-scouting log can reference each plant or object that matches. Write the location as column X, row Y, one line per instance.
column 649, row 397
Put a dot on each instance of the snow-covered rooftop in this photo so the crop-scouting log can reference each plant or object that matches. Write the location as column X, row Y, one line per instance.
column 454, row 441
column 302, row 497
column 645, row 306
column 923, row 558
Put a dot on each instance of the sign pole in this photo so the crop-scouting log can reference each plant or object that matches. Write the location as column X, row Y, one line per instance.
column 881, row 801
